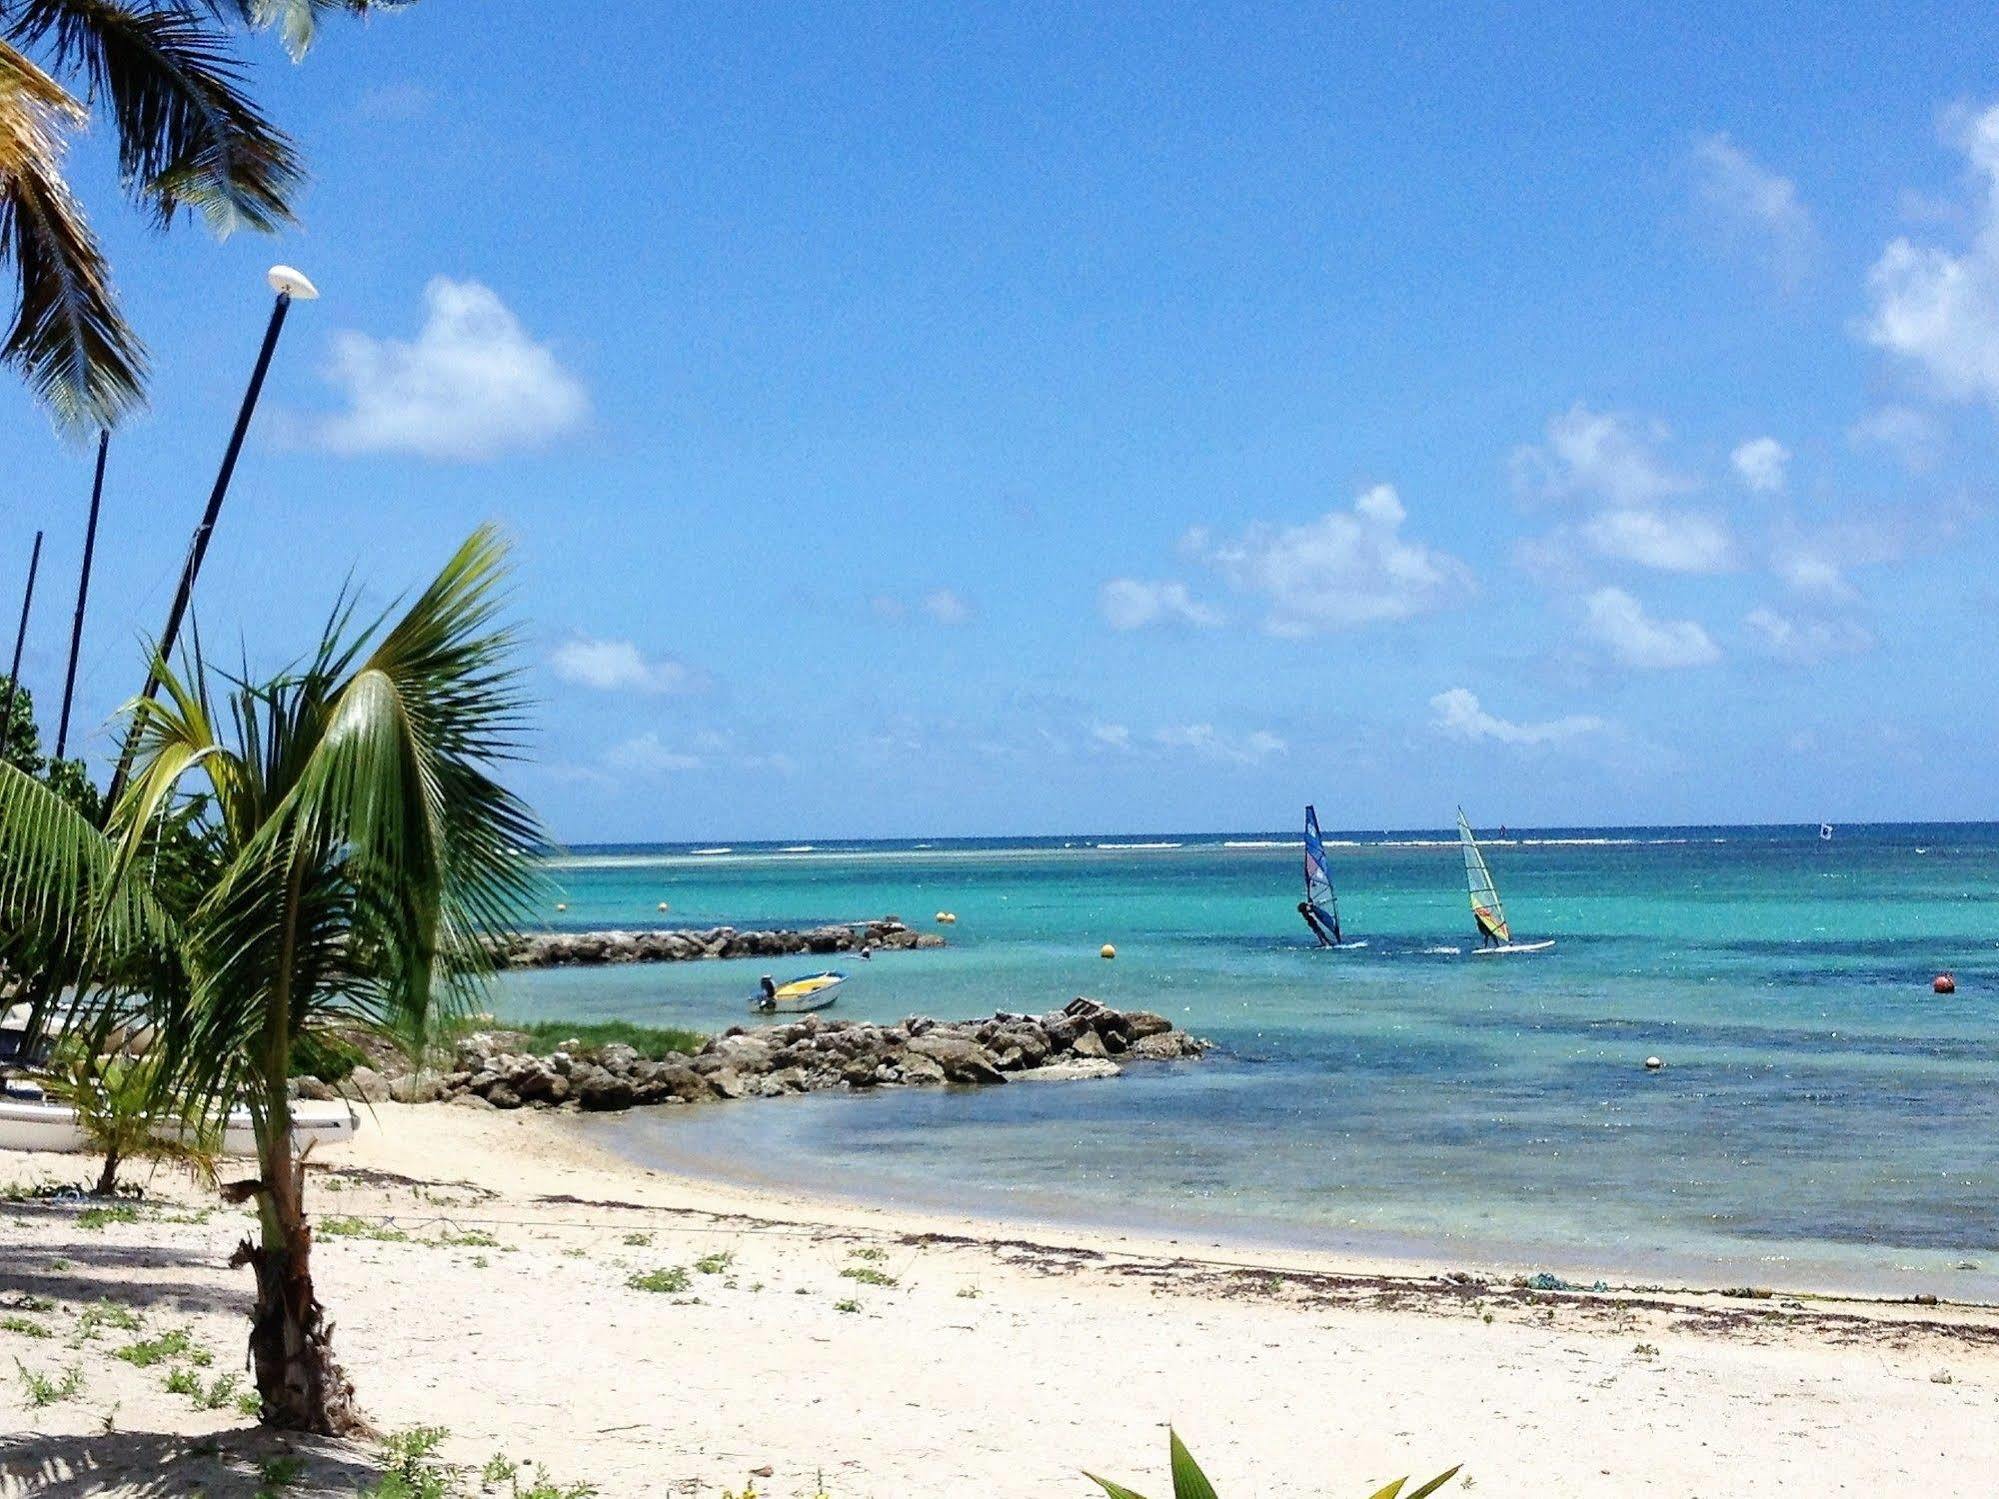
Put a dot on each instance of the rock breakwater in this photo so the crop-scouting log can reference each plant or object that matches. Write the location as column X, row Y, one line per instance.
column 806, row 1055
column 562, row 949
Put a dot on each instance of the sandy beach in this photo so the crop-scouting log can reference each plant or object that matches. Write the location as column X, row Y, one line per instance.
column 479, row 1268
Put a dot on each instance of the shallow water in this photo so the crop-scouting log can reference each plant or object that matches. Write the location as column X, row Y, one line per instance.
column 1823, row 1116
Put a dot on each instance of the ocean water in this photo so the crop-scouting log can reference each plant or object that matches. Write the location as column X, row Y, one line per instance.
column 1823, row 1117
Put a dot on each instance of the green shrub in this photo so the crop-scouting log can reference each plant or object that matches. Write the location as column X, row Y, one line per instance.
column 41, row 1390
column 27, row 1327
column 322, row 1054
column 868, row 1275
column 671, row 1281
column 715, row 1264
column 1189, row 1482
column 97, row 1217
column 168, row 1345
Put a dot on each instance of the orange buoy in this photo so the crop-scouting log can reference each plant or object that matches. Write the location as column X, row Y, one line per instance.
column 1943, row 983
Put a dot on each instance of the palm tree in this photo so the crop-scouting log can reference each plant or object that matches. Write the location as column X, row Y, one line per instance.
column 166, row 74
column 353, row 855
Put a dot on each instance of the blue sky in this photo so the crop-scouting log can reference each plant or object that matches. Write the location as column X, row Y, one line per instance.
column 1011, row 421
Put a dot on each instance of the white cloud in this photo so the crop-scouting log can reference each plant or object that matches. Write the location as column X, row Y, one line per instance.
column 1812, row 574
column 1132, row 604
column 1459, row 714
column 1754, row 205
column 648, row 754
column 1804, row 641
column 471, row 386
column 1619, row 622
column 1760, row 464
column 619, row 666
column 1210, row 743
column 1912, row 436
column 1673, row 541
column 1600, row 456
column 1939, row 309
column 946, row 607
column 1347, row 568
column 1110, row 736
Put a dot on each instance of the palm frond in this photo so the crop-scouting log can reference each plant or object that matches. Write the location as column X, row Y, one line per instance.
column 62, row 886
column 68, row 338
column 297, row 21
column 188, row 134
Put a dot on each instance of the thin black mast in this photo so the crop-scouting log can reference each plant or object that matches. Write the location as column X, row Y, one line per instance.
column 82, row 592
column 20, row 636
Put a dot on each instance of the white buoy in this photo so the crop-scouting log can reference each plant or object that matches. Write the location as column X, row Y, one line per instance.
column 562, row 905
column 662, row 905
column 1653, row 1064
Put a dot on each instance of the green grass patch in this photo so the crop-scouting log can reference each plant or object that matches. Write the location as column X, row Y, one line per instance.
column 666, row 1282
column 168, row 1346
column 414, row 1469
column 847, row 1304
column 42, row 1390
column 638, row 1240
column 716, row 1263
column 868, row 1275
column 98, row 1217
column 651, row 1041
column 27, row 1327
column 338, row 1227
column 472, row 1238
column 106, row 1314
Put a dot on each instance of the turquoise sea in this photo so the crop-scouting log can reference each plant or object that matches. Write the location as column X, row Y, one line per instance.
column 1823, row 1117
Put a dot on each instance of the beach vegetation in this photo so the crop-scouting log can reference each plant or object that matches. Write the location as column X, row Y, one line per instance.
column 867, row 1254
column 125, row 1115
column 846, row 1304
column 638, row 1240
column 166, row 78
column 1189, row 1482
column 281, row 1472
column 41, row 1390
column 667, row 1282
column 27, row 1327
column 95, row 1218
column 348, row 1227
column 414, row 1470
column 716, row 1263
column 177, row 1343
column 350, row 860
column 107, row 1314
column 868, row 1275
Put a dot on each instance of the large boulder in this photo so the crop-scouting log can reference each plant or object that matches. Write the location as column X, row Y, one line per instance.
column 963, row 1061
column 603, row 1092
column 368, row 1085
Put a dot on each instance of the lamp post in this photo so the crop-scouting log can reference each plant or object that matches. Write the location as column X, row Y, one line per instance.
column 291, row 286
column 82, row 592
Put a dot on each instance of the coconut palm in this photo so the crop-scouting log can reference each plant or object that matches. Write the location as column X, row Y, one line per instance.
column 354, row 856
column 166, row 75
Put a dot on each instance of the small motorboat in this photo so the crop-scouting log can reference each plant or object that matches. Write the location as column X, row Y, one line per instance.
column 46, row 1124
column 813, row 992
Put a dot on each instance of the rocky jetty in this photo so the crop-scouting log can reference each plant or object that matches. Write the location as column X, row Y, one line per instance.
column 806, row 1055
column 561, row 949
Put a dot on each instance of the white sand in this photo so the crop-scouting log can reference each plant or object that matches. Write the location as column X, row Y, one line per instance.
column 998, row 1365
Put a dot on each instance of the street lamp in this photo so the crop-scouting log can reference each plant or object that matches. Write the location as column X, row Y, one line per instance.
column 291, row 286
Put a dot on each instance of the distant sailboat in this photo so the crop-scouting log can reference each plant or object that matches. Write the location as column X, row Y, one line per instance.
column 1320, row 907
column 1488, row 915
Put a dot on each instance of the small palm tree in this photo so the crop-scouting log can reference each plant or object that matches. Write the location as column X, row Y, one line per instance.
column 189, row 137
column 354, row 855
column 1189, row 1482
column 126, row 1115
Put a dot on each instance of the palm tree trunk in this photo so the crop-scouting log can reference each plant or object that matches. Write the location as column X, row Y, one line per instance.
column 107, row 1179
column 291, row 1351
column 291, row 1348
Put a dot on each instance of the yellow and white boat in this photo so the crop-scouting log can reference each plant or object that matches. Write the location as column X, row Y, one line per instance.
column 813, row 992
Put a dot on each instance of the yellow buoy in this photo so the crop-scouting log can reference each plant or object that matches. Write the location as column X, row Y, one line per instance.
column 1107, row 951
column 945, row 918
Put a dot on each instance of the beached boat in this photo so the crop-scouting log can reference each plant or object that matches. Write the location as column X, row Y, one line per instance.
column 1321, row 905
column 44, row 1124
column 1487, row 914
column 813, row 992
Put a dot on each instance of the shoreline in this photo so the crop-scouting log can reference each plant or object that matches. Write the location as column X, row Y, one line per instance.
column 484, row 1272
column 1221, row 1240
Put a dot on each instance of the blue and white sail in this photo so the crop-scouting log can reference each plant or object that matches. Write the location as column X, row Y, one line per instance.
column 1320, row 907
